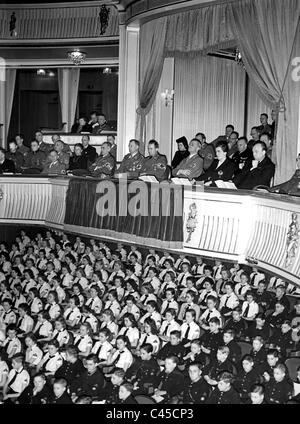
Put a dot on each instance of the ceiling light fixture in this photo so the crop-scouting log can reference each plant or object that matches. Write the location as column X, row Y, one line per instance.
column 106, row 71
column 77, row 57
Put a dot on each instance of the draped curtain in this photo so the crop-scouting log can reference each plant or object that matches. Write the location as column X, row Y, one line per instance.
column 209, row 92
column 256, row 106
column 68, row 83
column 266, row 32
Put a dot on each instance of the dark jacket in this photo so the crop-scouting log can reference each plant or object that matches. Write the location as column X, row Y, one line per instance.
column 225, row 172
column 224, row 398
column 90, row 385
column 70, row 371
column 261, row 175
column 64, row 399
column 196, row 393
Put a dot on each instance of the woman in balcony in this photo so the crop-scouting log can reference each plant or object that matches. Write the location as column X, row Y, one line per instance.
column 222, row 168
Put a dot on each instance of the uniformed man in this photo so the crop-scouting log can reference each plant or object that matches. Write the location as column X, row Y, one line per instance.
column 111, row 394
column 207, row 151
column 112, row 140
column 6, row 165
column 132, row 162
column 91, row 382
column 217, row 365
column 155, row 164
column 63, row 158
column 103, row 125
column 192, row 166
column 224, row 393
column 89, row 152
column 246, row 378
column 232, row 143
column 66, row 147
column 54, row 166
column 18, row 379
column 34, row 160
column 196, row 391
column 105, row 165
column 292, row 186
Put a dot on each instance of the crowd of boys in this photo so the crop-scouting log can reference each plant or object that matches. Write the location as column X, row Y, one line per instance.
column 84, row 322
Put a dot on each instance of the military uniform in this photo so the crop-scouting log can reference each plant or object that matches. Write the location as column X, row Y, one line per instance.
column 155, row 165
column 103, row 165
column 24, row 150
column 240, row 158
column 35, row 160
column 215, row 368
column 132, row 164
column 89, row 384
column 278, row 393
column 196, row 392
column 224, row 398
column 111, row 394
column 234, row 351
column 89, row 153
column 193, row 163
column 207, row 153
column 46, row 147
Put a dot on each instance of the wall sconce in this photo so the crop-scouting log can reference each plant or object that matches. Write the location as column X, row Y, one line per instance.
column 168, row 97
column 41, row 72
column 106, row 71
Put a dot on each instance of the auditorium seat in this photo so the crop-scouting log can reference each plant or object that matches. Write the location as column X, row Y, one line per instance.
column 144, row 400
column 245, row 348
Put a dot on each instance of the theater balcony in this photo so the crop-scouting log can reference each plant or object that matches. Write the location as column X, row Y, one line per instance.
column 250, row 227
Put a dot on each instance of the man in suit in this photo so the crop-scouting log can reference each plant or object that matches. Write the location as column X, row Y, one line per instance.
column 105, row 165
column 133, row 161
column 192, row 166
column 54, row 166
column 63, row 158
column 21, row 148
column 260, row 171
column 6, row 165
column 43, row 147
column 155, row 164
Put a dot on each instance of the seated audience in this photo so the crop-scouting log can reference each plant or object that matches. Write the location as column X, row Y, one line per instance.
column 78, row 160
column 21, row 147
column 207, row 151
column 223, row 138
column 105, row 165
column 34, row 160
column 89, row 152
column 15, row 155
column 54, row 166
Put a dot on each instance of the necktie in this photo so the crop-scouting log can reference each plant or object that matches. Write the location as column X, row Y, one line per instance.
column 125, row 332
column 98, row 350
column 187, row 332
column 146, row 298
column 117, row 358
column 47, row 362
column 245, row 314
column 166, row 329
column 240, row 290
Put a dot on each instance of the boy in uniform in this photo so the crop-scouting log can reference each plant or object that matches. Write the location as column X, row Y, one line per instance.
column 224, row 393
column 18, row 379
column 196, row 390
